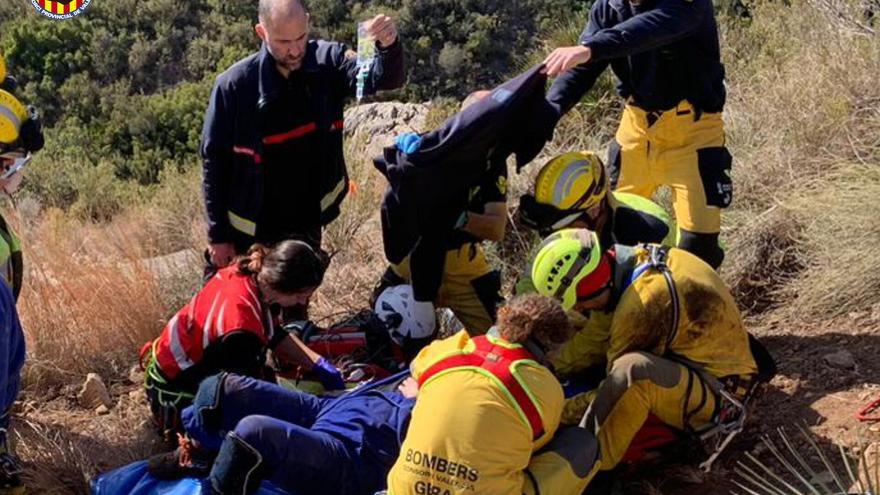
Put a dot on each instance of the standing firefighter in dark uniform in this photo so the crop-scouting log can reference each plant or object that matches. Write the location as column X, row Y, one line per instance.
column 666, row 56
column 272, row 141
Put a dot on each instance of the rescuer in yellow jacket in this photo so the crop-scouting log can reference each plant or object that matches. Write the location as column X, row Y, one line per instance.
column 471, row 286
column 485, row 404
column 675, row 334
column 571, row 191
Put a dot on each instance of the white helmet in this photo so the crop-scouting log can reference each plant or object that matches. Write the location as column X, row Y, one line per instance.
column 406, row 318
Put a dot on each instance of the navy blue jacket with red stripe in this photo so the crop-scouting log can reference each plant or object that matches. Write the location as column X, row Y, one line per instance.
column 662, row 52
column 261, row 129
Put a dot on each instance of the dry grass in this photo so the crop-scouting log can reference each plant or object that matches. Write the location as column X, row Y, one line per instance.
column 64, row 448
column 840, row 226
column 804, row 125
column 87, row 305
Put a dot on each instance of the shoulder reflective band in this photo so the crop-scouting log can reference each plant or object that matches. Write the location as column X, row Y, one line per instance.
column 499, row 362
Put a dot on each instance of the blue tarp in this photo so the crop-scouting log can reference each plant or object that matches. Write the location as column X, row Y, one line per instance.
column 134, row 479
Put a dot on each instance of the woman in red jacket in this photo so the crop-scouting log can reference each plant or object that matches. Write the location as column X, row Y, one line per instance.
column 227, row 326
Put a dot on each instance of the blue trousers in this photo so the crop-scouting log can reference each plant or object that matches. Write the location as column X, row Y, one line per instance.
column 12, row 355
column 278, row 424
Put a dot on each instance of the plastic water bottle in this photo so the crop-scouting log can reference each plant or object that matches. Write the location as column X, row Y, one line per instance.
column 366, row 53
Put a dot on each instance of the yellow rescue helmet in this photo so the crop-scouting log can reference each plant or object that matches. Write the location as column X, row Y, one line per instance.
column 564, row 259
column 573, row 180
column 2, row 68
column 12, row 114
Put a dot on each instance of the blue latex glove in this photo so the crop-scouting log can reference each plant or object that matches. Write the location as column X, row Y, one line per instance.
column 328, row 375
column 409, row 142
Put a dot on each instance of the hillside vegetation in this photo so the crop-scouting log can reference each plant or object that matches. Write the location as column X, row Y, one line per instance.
column 124, row 86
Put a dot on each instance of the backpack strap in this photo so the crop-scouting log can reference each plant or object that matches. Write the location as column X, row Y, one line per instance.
column 657, row 260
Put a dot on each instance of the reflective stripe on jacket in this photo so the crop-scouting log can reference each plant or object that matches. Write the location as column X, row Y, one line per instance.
column 255, row 120
column 497, row 360
column 227, row 303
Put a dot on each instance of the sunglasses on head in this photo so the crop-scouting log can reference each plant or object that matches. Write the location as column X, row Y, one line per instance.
column 544, row 217
column 19, row 160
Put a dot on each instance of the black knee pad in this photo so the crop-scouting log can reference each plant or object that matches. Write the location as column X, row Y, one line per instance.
column 703, row 245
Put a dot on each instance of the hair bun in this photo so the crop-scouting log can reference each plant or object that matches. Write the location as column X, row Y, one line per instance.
column 256, row 255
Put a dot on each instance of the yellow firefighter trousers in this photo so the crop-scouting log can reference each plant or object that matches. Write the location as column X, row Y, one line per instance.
column 640, row 384
column 470, row 287
column 565, row 465
column 678, row 151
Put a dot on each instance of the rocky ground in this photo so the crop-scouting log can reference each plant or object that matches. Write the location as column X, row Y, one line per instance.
column 826, row 375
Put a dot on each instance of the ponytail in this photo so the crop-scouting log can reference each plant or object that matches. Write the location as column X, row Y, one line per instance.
column 252, row 262
column 288, row 267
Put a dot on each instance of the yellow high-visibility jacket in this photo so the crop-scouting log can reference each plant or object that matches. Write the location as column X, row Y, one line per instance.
column 709, row 331
column 466, row 436
column 709, row 334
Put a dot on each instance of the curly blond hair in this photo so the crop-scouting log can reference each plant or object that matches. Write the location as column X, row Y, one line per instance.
column 536, row 316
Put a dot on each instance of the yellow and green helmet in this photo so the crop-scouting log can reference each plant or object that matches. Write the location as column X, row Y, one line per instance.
column 12, row 112
column 564, row 258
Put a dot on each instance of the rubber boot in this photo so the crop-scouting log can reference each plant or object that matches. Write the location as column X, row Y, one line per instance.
column 703, row 245
column 239, row 468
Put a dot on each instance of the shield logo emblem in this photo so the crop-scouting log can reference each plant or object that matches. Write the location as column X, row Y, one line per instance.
column 60, row 9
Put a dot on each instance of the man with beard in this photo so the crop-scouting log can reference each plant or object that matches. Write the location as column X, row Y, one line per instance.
column 272, row 140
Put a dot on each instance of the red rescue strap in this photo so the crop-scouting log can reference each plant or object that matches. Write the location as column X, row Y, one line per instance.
column 498, row 361
column 869, row 413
